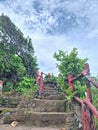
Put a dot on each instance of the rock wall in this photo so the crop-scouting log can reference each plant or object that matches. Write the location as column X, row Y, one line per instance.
column 41, row 112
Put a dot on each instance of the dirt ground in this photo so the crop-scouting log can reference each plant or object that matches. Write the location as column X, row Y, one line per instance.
column 9, row 127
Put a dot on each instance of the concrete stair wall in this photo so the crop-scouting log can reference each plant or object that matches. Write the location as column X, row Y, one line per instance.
column 49, row 110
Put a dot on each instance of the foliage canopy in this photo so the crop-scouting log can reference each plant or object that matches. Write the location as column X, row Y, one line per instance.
column 69, row 62
column 17, row 59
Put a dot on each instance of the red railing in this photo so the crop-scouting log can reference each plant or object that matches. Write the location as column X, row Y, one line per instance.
column 40, row 80
column 88, row 110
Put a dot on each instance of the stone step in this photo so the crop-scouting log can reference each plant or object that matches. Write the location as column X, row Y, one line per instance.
column 10, row 102
column 50, row 88
column 42, row 119
column 48, row 118
column 49, row 84
column 55, row 97
column 44, row 105
column 7, row 109
column 53, row 88
column 47, row 93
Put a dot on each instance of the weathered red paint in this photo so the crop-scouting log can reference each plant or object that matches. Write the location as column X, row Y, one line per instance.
column 88, row 110
column 93, row 109
column 1, row 86
column 70, row 83
column 87, row 120
column 1, row 82
column 41, row 82
column 88, row 85
column 37, row 77
column 47, row 75
column 79, row 100
column 85, row 117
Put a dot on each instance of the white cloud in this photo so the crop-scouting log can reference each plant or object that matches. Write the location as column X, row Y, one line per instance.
column 83, row 38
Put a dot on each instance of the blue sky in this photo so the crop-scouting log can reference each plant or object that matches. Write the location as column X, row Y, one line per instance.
column 57, row 25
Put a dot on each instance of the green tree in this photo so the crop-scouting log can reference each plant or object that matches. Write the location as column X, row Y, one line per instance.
column 69, row 62
column 14, row 40
column 12, row 69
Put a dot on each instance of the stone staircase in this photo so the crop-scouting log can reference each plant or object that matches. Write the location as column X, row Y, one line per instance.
column 52, row 92
column 47, row 111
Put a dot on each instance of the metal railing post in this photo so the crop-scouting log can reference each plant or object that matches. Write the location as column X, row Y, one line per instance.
column 41, row 84
column 70, row 83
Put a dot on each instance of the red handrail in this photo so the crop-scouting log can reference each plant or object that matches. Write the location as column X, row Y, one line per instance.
column 39, row 80
column 87, row 108
column 93, row 109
